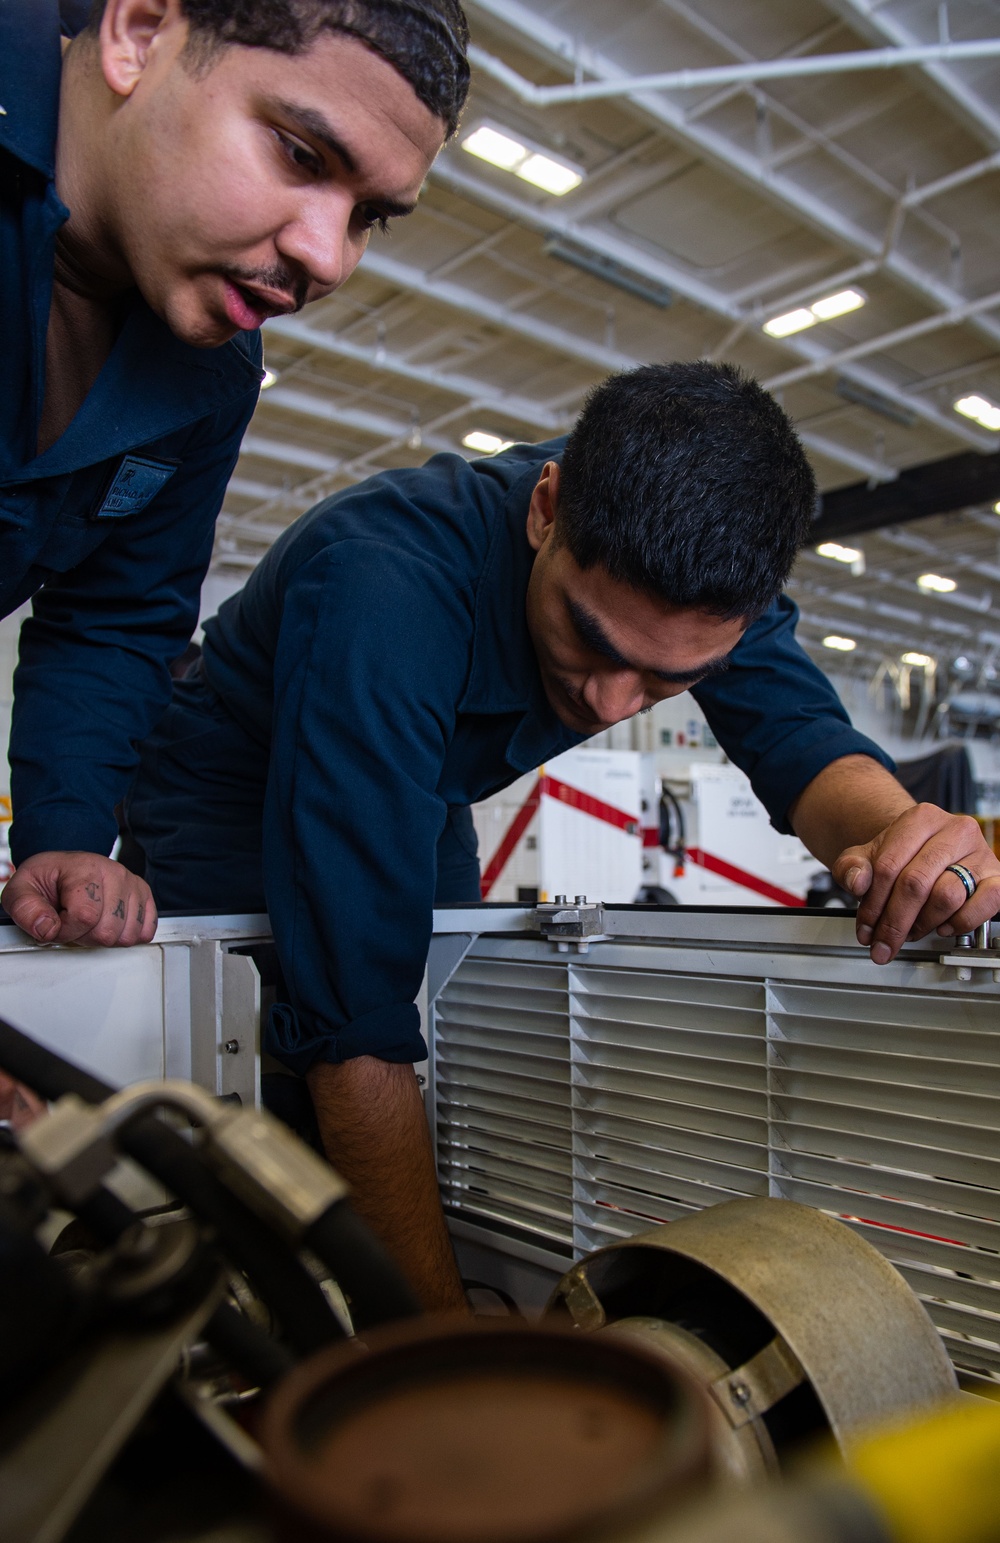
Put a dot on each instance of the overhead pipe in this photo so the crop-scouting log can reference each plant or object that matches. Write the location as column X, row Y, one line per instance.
column 733, row 74
column 917, row 329
column 564, row 51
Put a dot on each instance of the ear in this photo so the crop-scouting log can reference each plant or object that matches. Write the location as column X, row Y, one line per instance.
column 129, row 32
column 544, row 506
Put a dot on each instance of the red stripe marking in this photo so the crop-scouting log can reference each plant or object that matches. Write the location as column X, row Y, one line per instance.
column 551, row 787
column 745, row 880
column 515, row 831
column 589, row 805
column 650, row 835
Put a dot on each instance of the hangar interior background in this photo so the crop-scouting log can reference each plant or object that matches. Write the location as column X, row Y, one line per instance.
column 834, row 233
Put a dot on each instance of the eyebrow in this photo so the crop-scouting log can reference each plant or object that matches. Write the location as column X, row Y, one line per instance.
column 317, row 127
column 592, row 633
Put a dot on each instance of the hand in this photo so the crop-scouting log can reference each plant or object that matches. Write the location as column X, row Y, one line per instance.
column 80, row 897
column 906, row 891
column 18, row 1105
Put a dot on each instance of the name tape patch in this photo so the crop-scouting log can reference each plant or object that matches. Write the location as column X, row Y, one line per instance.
column 135, row 484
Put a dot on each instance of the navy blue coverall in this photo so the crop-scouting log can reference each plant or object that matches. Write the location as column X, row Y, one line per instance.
column 111, row 529
column 374, row 678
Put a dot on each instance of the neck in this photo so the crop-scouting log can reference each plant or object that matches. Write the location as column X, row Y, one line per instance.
column 89, row 261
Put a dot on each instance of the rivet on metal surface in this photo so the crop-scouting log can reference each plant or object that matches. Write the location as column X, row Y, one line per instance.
column 232, row 1047
column 739, row 1392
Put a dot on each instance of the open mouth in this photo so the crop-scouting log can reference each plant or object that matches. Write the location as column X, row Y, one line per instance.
column 247, row 309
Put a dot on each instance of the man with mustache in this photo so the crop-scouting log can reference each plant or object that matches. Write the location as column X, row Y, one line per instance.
column 176, row 174
column 417, row 642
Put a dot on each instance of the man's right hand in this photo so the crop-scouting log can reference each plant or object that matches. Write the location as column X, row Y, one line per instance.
column 80, row 897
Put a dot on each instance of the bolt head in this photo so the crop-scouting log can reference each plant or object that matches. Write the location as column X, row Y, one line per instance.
column 739, row 1392
column 232, row 1047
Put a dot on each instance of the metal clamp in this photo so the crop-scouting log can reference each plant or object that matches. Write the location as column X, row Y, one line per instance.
column 280, row 1178
column 977, row 950
column 581, row 923
column 755, row 1387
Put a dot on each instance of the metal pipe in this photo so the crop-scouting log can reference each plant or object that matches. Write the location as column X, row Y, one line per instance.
column 732, row 74
column 954, row 179
column 394, row 364
column 562, row 50
column 533, row 217
column 917, row 329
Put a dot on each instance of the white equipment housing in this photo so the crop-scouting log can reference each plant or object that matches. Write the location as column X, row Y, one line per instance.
column 572, row 828
column 734, row 854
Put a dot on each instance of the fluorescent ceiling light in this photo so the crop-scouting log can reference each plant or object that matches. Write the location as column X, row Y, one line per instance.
column 486, row 444
column 824, row 309
column 551, row 176
column 793, row 321
column 527, row 161
column 919, row 661
column 499, row 149
column 841, row 304
column 842, row 645
column 269, row 379
column 840, row 554
column 985, row 413
column 935, row 584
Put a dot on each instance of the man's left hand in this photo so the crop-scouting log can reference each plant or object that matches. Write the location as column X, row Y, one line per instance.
column 901, row 881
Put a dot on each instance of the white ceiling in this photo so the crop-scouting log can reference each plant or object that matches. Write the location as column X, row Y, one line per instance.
column 738, row 202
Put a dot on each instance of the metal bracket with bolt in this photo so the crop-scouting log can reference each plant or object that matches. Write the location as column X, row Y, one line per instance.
column 566, row 925
column 979, row 950
column 285, row 1182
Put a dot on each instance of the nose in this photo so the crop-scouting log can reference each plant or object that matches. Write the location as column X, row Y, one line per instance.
column 613, row 696
column 318, row 241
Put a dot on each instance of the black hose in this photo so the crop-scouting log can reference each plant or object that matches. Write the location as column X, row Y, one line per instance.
column 375, row 1288
column 282, row 1281
column 107, row 1217
column 242, row 1345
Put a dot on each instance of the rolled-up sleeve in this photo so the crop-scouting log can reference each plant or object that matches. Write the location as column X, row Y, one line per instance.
column 371, row 660
column 777, row 716
column 93, row 673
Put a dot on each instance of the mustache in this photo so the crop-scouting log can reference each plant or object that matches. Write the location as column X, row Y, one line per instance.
column 278, row 277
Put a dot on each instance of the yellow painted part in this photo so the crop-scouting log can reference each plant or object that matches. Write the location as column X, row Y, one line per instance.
column 937, row 1481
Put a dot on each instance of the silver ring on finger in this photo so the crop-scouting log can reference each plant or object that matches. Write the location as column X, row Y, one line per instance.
column 969, row 880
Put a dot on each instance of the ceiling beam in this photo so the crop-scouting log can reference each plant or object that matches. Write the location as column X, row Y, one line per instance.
column 873, row 22
column 748, row 73
column 559, row 48
column 937, row 487
column 548, row 222
column 478, row 393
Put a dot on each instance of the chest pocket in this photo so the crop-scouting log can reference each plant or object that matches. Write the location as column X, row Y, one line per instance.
column 67, row 518
column 134, row 484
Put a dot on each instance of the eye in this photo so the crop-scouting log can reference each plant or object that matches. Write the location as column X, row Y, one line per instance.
column 371, row 219
column 299, row 154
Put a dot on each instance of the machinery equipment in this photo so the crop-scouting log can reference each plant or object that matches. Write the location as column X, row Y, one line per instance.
column 749, row 1078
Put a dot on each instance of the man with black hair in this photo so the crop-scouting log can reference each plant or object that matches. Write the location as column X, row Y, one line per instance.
column 417, row 642
column 177, row 173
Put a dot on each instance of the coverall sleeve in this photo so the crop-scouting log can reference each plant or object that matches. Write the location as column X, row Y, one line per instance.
column 777, row 716
column 93, row 672
column 371, row 660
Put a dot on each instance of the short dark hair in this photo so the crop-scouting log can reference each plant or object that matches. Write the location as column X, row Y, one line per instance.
column 688, row 482
column 425, row 40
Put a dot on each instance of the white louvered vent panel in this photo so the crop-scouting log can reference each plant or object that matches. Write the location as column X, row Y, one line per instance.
column 669, row 1096
column 502, row 1087
column 885, row 1111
